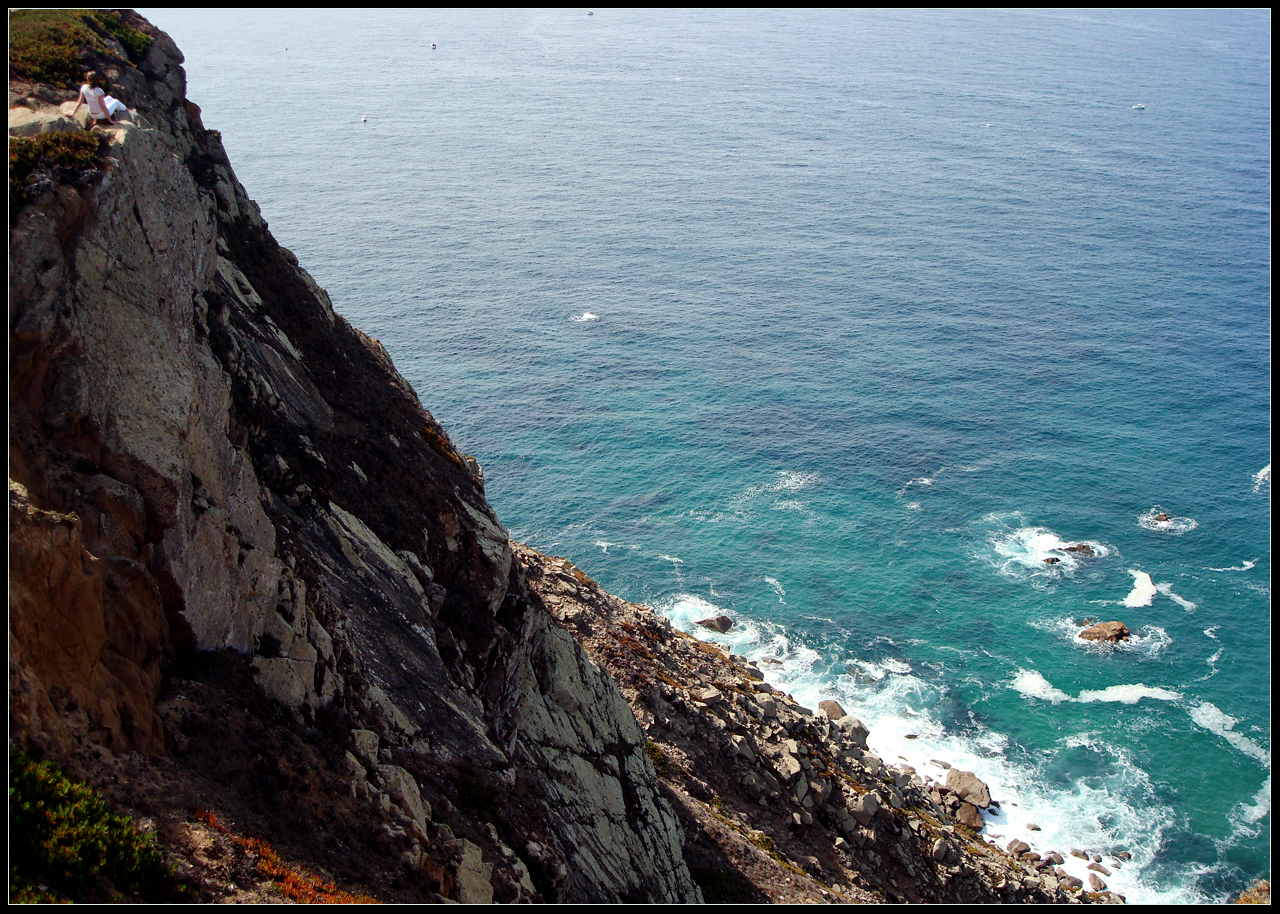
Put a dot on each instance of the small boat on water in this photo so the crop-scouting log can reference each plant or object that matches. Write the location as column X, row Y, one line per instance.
column 1139, row 107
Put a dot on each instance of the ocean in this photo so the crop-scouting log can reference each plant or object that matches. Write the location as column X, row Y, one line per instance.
column 841, row 323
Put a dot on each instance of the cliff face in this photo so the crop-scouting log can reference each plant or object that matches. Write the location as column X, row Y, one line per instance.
column 213, row 477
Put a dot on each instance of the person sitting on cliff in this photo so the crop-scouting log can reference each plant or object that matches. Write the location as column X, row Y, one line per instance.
column 102, row 107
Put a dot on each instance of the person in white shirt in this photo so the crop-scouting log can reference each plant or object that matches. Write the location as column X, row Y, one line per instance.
column 102, row 107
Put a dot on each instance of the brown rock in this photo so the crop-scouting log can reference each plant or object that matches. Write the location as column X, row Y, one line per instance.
column 969, row 787
column 717, row 623
column 1079, row 549
column 969, row 816
column 832, row 709
column 1106, row 631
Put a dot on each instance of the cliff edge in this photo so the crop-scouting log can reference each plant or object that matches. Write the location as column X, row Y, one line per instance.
column 255, row 590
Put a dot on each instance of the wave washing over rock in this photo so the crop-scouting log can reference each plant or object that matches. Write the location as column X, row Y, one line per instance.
column 251, row 575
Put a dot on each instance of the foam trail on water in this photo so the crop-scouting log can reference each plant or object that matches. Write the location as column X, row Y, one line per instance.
column 1128, row 694
column 1245, row 818
column 1209, row 717
column 1167, row 590
column 1261, row 478
column 1244, row 566
column 1032, row 684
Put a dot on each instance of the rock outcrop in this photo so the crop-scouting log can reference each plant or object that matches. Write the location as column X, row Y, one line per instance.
column 207, row 461
column 1106, row 631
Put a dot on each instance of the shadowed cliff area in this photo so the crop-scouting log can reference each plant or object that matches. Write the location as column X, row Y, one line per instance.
column 255, row 592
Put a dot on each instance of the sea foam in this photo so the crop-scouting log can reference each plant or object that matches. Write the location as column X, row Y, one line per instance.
column 1174, row 526
column 1211, row 718
column 1039, row 552
column 1143, row 590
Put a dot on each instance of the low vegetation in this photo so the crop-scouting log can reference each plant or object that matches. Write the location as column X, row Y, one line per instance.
column 48, row 159
column 295, row 884
column 66, row 844
column 57, row 46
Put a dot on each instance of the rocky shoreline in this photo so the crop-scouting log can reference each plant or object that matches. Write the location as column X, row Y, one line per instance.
column 792, row 796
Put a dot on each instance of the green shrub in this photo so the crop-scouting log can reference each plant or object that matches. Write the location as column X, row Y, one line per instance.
column 135, row 43
column 56, row 157
column 52, row 45
column 48, row 45
column 64, row 841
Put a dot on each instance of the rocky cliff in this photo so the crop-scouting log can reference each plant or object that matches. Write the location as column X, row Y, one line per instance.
column 250, row 574
column 214, row 477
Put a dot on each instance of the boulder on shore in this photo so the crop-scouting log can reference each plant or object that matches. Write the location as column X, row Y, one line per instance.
column 1106, row 631
column 969, row 787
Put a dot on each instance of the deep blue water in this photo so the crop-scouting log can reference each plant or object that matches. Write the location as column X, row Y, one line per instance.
column 841, row 323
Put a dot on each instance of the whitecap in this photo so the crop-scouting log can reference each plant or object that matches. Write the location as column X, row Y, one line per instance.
column 913, row 505
column 1167, row 590
column 1127, row 694
column 1261, row 478
column 1143, row 590
column 584, row 317
column 1034, row 685
column 1211, row 718
column 1159, row 520
column 777, row 588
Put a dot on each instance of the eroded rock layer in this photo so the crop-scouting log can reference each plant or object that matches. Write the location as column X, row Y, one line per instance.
column 206, row 460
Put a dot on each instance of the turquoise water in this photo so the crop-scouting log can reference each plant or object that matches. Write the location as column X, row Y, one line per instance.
column 841, row 323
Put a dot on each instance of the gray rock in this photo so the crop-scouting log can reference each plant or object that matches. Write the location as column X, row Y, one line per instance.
column 854, row 731
column 863, row 807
